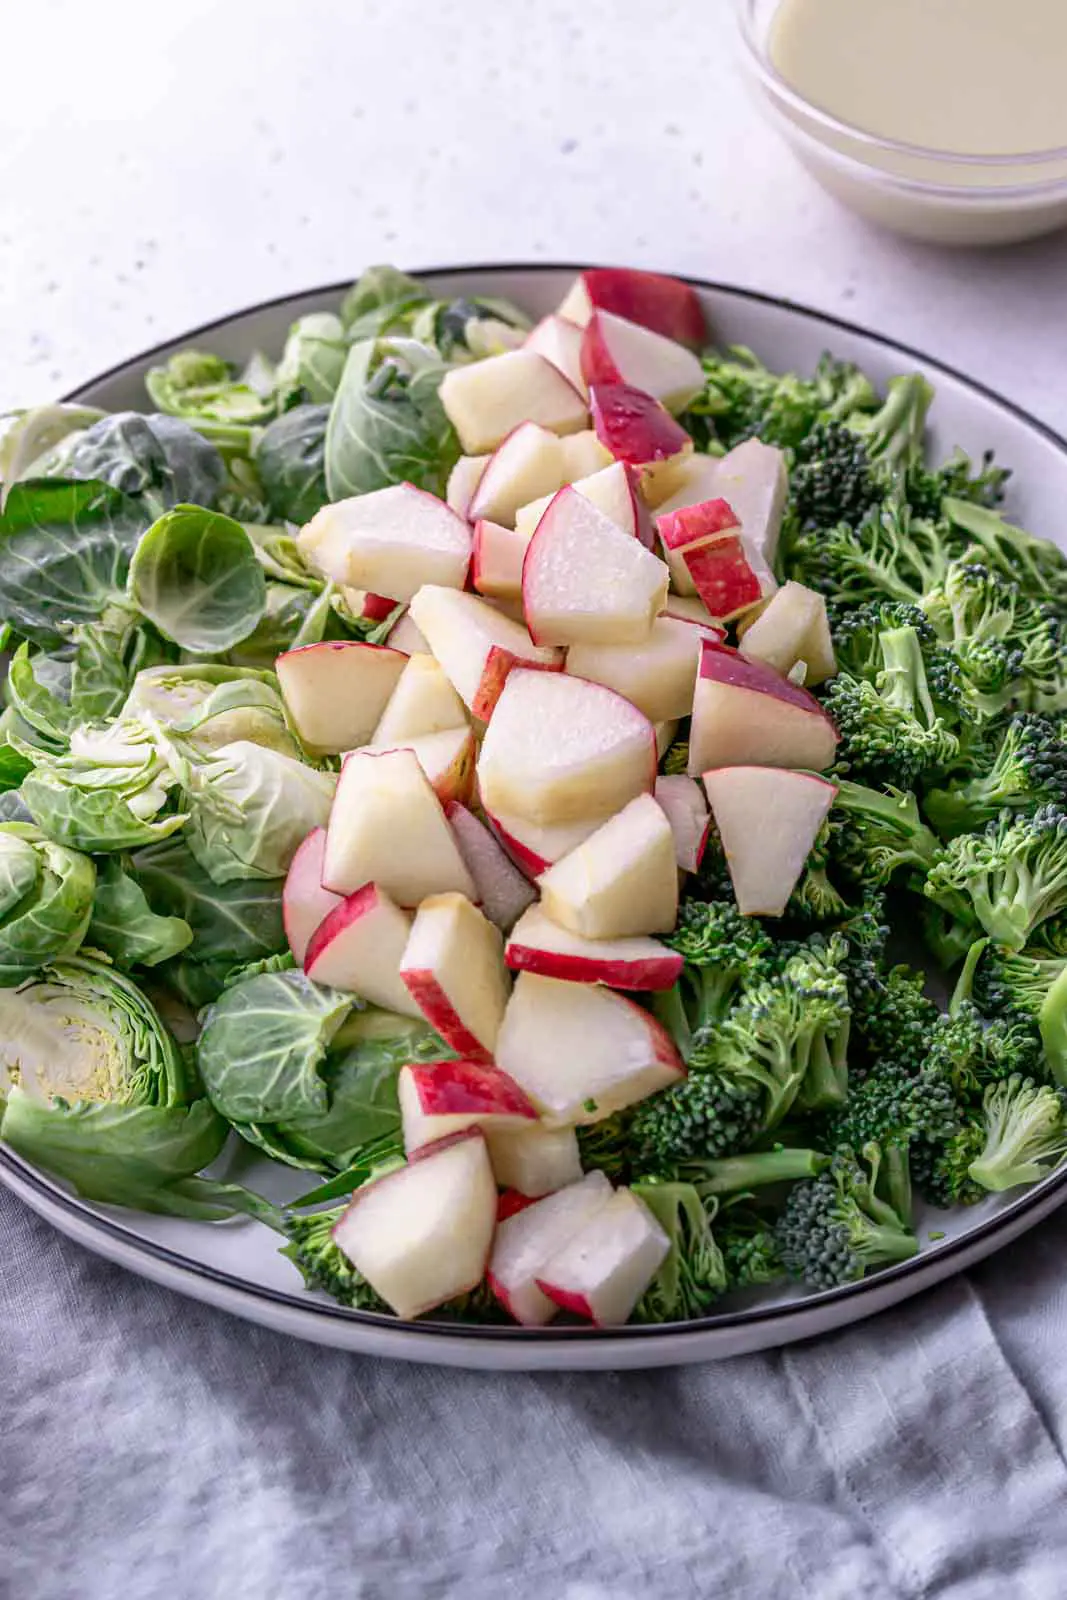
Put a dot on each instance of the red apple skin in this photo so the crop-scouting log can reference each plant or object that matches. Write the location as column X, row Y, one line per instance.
column 703, row 845
column 510, row 1203
column 598, row 365
column 663, row 304
column 528, row 861
column 376, row 607
column 448, row 1087
column 498, row 664
column 312, row 849
column 634, row 426
column 709, row 519
column 639, row 975
column 643, row 525
column 567, row 1300
column 723, row 576
column 431, row 1149
column 439, row 1012
column 352, row 908
column 726, row 665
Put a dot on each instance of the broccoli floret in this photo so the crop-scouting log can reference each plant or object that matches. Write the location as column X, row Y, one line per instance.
column 894, row 1017
column 710, row 1113
column 676, row 761
column 1009, row 878
column 928, row 488
column 323, row 1265
column 969, row 1053
column 1009, row 647
column 835, row 1228
column 892, row 1107
column 940, row 1171
column 1008, row 984
column 878, row 835
column 721, row 949
column 608, row 1145
column 831, row 480
column 749, row 1247
column 1038, row 566
column 693, row 1274
column 1025, row 1134
column 743, row 399
column 1052, row 1022
column 889, row 555
column 1021, row 764
column 816, row 898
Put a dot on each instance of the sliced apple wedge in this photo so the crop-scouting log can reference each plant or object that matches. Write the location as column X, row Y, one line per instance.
column 463, row 480
column 391, row 541
column 503, row 892
column 613, row 490
column 585, row 581
column 635, row 427
column 658, row 675
column 357, row 948
column 530, row 1238
column 793, row 618
column 729, row 576
column 559, row 749
column 768, row 819
column 476, row 645
column 581, row 1051
column 615, row 350
column 604, row 1269
column 560, row 342
column 534, row 846
column 447, row 758
column 496, row 564
column 405, row 636
column 622, row 880
column 753, row 477
column 439, row 1098
column 583, row 454
column 423, row 701
column 529, row 462
column 691, row 609
column 387, row 827
column 534, row 1161
column 305, row 903
column 537, row 944
column 695, row 479
column 335, row 692
column 454, row 969
column 684, row 532
column 421, row 1234
column 485, row 400
column 666, row 733
column 663, row 304
column 746, row 713
column 682, row 802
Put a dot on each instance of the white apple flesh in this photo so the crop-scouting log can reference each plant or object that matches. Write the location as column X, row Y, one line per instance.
column 534, row 846
column 534, row 1161
column 657, row 675
column 335, row 692
column 405, row 636
column 463, row 480
column 585, row 581
column 502, row 891
column 305, row 903
column 439, row 1098
column 581, row 1051
column 621, row 881
column 753, row 477
column 560, row 342
column 423, row 701
column 559, row 749
column 447, row 758
column 682, row 803
column 496, row 562
column 583, row 454
column 768, row 819
column 525, row 1242
column 453, row 967
column 421, row 1234
column 476, row 645
column 357, row 948
column 485, row 400
column 604, row 1269
column 528, row 463
column 780, row 634
column 615, row 350
column 391, row 541
column 537, row 944
column 746, row 713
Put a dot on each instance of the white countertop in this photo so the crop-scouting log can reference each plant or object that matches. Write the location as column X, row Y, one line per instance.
column 162, row 165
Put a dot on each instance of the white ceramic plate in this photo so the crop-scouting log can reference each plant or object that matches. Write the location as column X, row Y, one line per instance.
column 237, row 1266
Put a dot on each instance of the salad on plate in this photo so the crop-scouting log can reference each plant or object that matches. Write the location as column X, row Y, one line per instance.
column 503, row 773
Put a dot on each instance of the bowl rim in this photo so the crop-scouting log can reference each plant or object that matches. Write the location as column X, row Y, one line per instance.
column 753, row 31
column 26, row 1177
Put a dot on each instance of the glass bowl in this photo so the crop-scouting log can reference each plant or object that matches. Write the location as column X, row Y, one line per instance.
column 927, row 194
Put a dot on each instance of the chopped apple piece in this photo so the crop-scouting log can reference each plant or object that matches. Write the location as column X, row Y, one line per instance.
column 817, row 650
column 485, row 400
column 423, row 701
column 768, row 819
column 454, row 968
column 387, row 826
column 745, row 712
column 503, row 892
column 658, row 675
column 635, row 427
column 537, row 944
column 685, row 808
column 528, row 463
column 688, row 530
column 585, row 581
column 447, row 758
column 534, row 846
column 583, row 454
column 729, row 576
column 666, row 733
column 666, row 305
column 691, row 609
column 560, row 342
column 305, row 903
column 366, row 607
column 357, row 948
column 405, row 636
column 529, row 1238
column 753, row 477
column 617, row 351
column 581, row 1051
column 391, row 541
column 612, row 489
column 622, row 880
column 438, row 1098
column 691, row 479
column 783, row 628
column 335, row 692
column 476, row 645
column 534, row 1161
column 496, row 567
column 559, row 749
column 464, row 478
column 421, row 1234
column 604, row 1269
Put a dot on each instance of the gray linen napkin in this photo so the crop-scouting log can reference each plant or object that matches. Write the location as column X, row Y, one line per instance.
column 152, row 1447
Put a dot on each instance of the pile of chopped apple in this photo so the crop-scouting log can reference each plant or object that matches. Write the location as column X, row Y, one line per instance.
column 502, row 852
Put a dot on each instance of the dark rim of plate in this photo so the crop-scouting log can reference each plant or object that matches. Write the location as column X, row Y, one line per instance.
column 26, row 1176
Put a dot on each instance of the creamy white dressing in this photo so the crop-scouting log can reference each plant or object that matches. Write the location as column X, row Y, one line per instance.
column 968, row 77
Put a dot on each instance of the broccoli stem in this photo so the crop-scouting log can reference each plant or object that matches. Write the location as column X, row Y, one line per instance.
column 902, row 680
column 733, row 1174
column 881, row 1245
column 1053, row 1024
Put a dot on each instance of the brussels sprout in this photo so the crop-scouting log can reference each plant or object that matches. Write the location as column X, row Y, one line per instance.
column 46, row 899
column 195, row 574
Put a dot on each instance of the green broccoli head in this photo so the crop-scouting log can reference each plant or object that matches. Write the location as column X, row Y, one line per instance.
column 1009, row 984
column 1025, row 1126
column 1038, row 566
column 693, row 1274
column 322, row 1265
column 1009, row 646
column 609, row 1145
column 743, row 399
column 710, row 1113
column 1020, row 764
column 1009, row 878
column 969, row 1053
column 721, row 950
column 940, row 1169
column 750, row 1251
column 879, row 836
column 928, row 488
column 891, row 555
column 835, row 1228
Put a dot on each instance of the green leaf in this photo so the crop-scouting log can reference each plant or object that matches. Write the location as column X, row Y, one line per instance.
column 196, row 385
column 108, row 655
column 262, row 1044
column 313, row 359
column 65, row 550
column 382, row 298
column 124, row 925
column 234, row 922
column 196, row 576
column 94, row 820
column 291, row 460
column 34, row 702
column 27, row 435
column 155, row 459
column 387, row 424
column 46, row 899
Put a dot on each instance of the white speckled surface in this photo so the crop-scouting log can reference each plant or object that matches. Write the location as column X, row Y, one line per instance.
column 152, row 177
